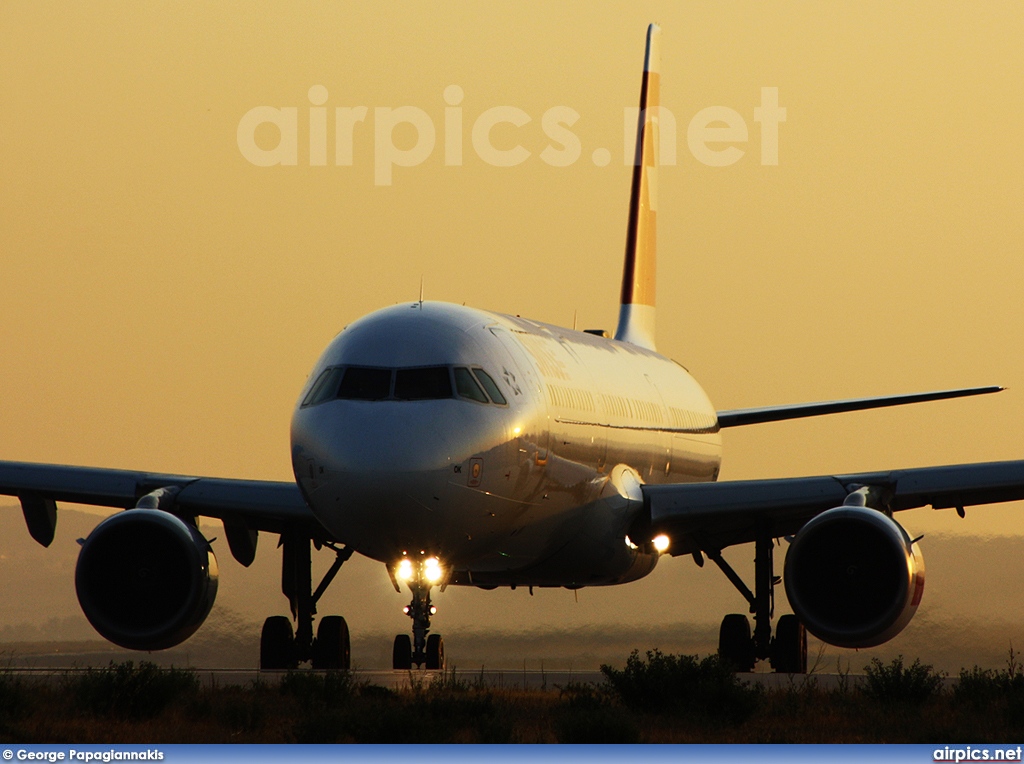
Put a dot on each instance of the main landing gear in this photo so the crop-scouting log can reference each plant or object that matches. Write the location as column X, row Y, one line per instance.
column 787, row 652
column 424, row 649
column 283, row 648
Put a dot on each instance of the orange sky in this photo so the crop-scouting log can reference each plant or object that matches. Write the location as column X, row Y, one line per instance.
column 163, row 298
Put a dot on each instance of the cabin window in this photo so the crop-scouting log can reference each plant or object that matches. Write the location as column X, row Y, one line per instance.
column 490, row 386
column 362, row 384
column 423, row 384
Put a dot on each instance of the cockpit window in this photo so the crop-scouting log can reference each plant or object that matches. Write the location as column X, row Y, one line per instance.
column 423, row 384
column 365, row 383
column 362, row 384
column 325, row 387
column 467, row 386
column 490, row 386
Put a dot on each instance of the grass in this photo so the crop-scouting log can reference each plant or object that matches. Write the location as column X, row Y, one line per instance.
column 654, row 698
column 127, row 691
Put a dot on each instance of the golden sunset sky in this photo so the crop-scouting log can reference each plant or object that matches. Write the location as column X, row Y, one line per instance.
column 162, row 299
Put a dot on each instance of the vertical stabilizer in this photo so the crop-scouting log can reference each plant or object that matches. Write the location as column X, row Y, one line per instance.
column 636, row 314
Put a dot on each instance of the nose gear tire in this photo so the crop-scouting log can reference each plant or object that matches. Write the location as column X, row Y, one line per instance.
column 401, row 655
column 435, row 652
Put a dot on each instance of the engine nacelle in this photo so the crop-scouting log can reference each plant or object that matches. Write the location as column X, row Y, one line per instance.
column 146, row 580
column 854, row 577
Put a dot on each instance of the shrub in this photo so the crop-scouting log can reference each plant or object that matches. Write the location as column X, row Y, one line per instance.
column 898, row 684
column 682, row 684
column 977, row 687
column 984, row 688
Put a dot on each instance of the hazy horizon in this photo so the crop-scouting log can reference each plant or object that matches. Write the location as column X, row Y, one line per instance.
column 970, row 613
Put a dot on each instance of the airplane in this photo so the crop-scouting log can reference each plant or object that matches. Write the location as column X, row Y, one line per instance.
column 462, row 447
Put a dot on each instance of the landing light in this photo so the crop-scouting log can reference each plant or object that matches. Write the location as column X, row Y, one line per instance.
column 661, row 543
column 630, row 544
column 405, row 569
column 432, row 570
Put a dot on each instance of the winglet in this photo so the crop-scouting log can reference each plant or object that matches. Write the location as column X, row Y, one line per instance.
column 636, row 312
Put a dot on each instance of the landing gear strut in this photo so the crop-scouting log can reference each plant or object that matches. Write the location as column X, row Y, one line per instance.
column 283, row 648
column 424, row 649
column 787, row 652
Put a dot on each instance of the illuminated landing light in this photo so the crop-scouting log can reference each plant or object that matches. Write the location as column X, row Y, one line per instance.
column 661, row 543
column 432, row 570
column 405, row 571
column 516, row 431
column 630, row 544
column 433, row 610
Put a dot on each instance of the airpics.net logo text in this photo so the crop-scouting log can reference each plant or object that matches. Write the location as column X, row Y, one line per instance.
column 717, row 136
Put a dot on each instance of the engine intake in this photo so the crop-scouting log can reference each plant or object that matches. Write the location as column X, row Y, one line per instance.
column 854, row 577
column 146, row 579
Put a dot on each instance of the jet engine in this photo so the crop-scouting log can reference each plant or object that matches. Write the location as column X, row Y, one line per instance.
column 146, row 579
column 854, row 577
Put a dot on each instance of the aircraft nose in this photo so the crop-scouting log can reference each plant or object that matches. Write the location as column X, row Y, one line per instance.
column 387, row 476
column 372, row 466
column 382, row 442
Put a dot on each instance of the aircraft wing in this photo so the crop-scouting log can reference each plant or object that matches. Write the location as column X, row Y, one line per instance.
column 254, row 504
column 738, row 417
column 712, row 516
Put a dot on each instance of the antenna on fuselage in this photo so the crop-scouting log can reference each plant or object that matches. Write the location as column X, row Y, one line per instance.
column 421, row 292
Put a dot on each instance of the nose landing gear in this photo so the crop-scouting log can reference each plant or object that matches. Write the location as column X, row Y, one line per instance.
column 424, row 649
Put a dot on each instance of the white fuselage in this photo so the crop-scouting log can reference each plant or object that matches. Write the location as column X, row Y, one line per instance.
column 538, row 487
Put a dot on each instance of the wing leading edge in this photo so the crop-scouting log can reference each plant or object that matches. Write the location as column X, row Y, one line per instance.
column 739, row 417
column 711, row 516
column 255, row 504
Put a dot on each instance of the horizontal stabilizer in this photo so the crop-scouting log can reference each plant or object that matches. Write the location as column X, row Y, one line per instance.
column 738, row 417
